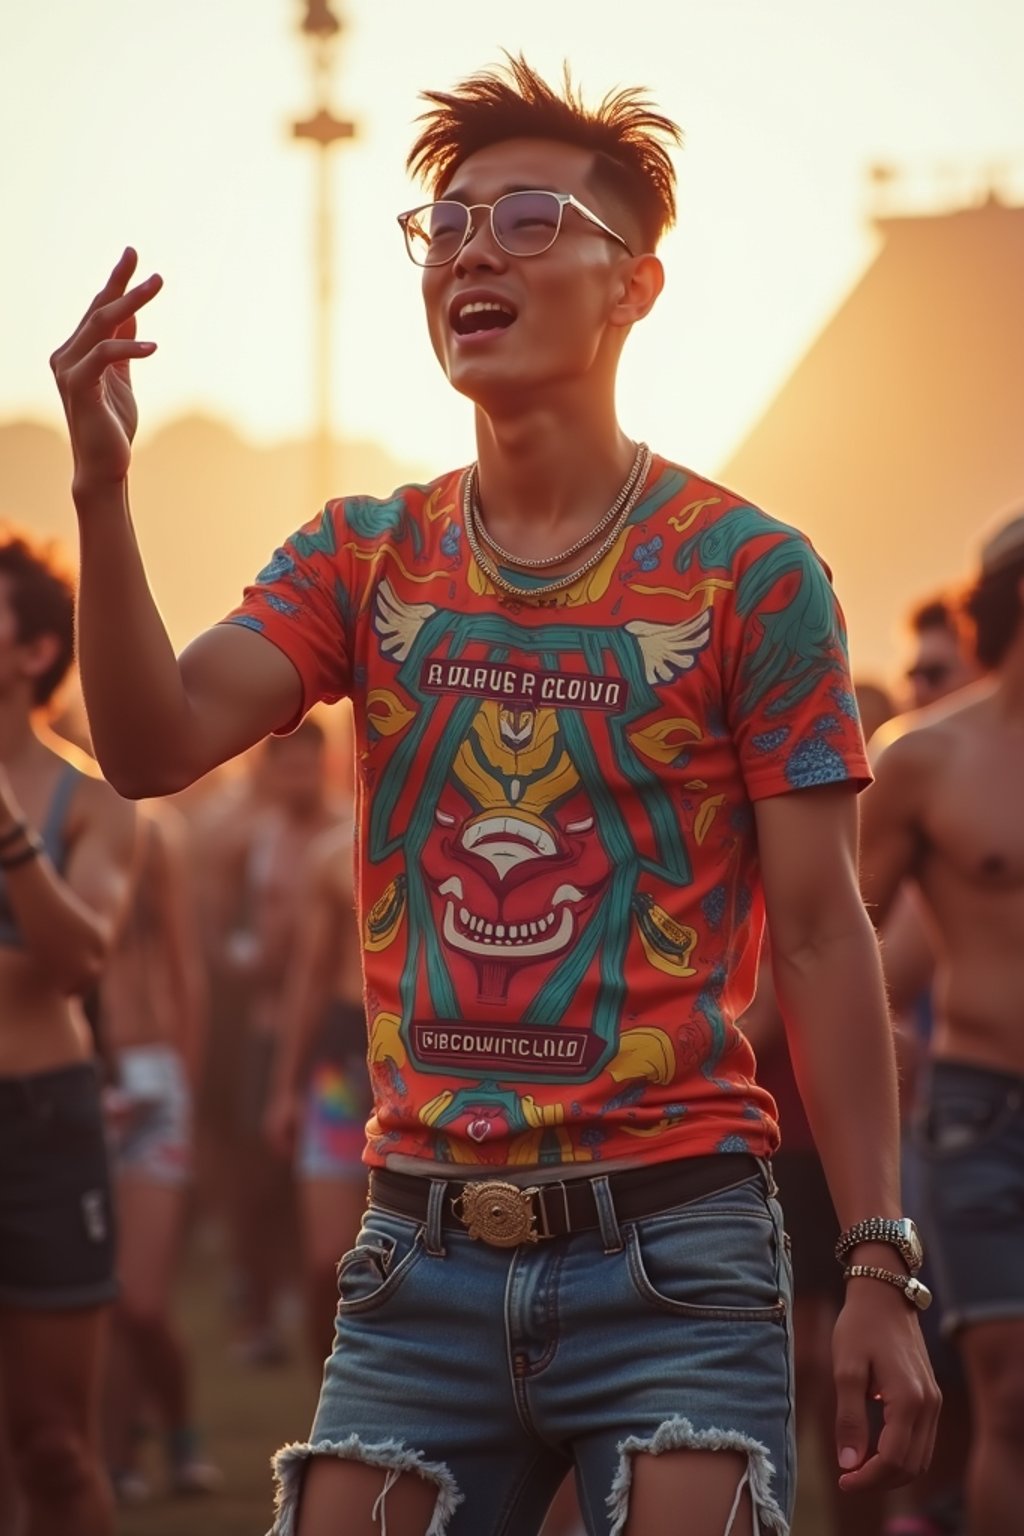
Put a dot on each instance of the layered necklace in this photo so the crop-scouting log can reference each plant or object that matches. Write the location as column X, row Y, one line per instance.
column 610, row 525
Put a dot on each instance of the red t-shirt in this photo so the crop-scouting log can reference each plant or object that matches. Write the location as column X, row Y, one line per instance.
column 558, row 884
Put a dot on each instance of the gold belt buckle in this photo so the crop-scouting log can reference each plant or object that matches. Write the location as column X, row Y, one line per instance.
column 501, row 1214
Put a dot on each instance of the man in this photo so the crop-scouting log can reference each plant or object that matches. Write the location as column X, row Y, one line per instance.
column 946, row 814
column 320, row 1099
column 66, row 842
column 256, row 927
column 153, row 1006
column 603, row 713
column 941, row 659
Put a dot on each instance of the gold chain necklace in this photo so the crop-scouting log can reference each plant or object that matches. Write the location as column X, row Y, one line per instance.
column 559, row 584
column 506, row 556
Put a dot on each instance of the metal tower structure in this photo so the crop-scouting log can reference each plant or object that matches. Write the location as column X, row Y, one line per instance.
column 324, row 130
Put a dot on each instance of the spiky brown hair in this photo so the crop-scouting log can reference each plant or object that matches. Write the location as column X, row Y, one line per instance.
column 626, row 136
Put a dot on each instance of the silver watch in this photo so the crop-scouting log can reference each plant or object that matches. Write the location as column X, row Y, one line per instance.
column 900, row 1234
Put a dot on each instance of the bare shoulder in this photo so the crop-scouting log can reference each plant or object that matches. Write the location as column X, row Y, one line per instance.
column 165, row 823
column 94, row 803
column 919, row 743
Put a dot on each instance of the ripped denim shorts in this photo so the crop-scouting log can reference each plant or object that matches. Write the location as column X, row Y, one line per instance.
column 493, row 1372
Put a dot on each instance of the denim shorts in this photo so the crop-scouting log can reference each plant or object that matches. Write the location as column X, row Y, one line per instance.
column 971, row 1142
column 56, row 1216
column 492, row 1372
column 153, row 1141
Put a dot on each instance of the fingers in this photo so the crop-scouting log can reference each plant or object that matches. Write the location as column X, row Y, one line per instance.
column 851, row 1415
column 907, row 1440
column 112, row 314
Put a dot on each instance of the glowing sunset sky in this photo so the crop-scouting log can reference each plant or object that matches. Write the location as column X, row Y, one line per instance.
column 167, row 126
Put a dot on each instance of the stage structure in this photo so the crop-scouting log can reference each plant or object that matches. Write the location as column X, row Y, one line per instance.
column 324, row 130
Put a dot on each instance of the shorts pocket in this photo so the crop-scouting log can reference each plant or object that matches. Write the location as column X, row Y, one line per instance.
column 965, row 1120
column 386, row 1251
column 709, row 1261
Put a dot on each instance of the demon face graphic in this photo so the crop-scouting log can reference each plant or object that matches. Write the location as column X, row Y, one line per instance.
column 513, row 864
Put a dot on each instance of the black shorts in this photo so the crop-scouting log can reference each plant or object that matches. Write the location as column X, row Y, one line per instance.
column 811, row 1224
column 56, row 1213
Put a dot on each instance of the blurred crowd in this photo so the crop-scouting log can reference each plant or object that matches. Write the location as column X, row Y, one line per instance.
column 226, row 1031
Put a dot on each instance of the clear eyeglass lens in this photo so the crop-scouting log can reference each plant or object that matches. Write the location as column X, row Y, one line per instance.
column 435, row 233
column 526, row 223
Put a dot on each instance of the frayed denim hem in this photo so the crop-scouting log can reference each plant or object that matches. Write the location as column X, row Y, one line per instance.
column 678, row 1434
column 290, row 1464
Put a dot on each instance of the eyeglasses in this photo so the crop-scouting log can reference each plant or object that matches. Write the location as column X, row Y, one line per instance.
column 522, row 223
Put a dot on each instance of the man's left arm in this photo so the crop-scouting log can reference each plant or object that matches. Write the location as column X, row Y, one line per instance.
column 828, row 979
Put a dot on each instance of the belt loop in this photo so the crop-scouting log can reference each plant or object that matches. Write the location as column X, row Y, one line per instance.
column 434, row 1241
column 765, row 1164
column 607, row 1220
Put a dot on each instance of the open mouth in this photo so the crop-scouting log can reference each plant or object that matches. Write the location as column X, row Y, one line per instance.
column 474, row 317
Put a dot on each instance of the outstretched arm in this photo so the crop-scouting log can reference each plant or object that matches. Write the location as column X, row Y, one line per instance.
column 157, row 723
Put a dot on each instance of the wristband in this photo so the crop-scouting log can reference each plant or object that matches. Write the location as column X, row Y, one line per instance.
column 914, row 1292
column 12, row 834
column 33, row 848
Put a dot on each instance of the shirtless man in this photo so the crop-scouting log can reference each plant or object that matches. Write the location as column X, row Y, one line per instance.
column 946, row 812
column 321, row 1101
column 66, row 849
column 153, row 1004
column 261, row 873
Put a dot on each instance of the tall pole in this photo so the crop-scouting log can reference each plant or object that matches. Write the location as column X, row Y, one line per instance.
column 323, row 130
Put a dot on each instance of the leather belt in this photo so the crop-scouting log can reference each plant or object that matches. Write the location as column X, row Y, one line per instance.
column 506, row 1215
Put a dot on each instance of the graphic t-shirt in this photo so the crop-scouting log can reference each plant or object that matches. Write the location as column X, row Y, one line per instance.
column 557, row 871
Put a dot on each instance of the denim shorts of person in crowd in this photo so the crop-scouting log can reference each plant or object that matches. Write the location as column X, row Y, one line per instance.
column 491, row 1371
column 971, row 1142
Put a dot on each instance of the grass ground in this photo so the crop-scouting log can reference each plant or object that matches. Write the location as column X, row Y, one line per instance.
column 247, row 1413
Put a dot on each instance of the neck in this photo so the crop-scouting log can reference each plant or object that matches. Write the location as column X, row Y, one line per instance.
column 18, row 740
column 542, row 475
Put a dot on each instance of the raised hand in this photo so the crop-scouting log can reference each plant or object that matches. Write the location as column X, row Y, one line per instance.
column 92, row 374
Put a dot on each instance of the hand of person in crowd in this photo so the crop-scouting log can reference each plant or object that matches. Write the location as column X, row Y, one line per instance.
column 879, row 1353
column 91, row 370
column 281, row 1122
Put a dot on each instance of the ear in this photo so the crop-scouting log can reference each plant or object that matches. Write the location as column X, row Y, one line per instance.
column 38, row 655
column 641, row 281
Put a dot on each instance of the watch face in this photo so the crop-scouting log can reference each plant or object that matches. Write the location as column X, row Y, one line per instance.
column 914, row 1251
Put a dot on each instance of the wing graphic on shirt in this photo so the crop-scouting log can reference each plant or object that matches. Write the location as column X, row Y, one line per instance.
column 397, row 622
column 670, row 649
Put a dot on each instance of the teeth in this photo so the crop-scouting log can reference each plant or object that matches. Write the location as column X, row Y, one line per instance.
column 485, row 307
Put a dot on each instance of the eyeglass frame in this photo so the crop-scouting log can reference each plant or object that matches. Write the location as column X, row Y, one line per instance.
column 563, row 199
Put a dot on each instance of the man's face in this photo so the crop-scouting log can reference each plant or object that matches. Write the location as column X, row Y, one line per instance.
column 560, row 300
column 937, row 667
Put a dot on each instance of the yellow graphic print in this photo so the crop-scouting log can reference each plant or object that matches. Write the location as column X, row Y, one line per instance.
column 382, row 922
column 667, row 944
